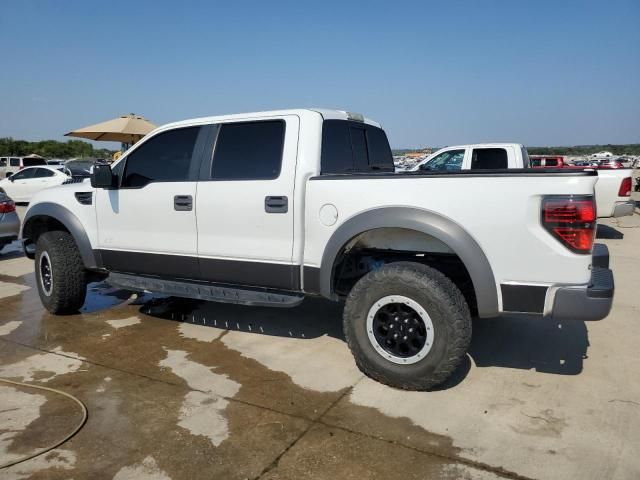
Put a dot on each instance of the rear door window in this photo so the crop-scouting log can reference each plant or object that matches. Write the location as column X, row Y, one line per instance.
column 14, row 162
column 489, row 158
column 249, row 151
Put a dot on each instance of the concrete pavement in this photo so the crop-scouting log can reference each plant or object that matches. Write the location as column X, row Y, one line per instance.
column 182, row 389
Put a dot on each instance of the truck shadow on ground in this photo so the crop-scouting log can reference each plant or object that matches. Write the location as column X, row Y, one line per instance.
column 519, row 342
column 607, row 232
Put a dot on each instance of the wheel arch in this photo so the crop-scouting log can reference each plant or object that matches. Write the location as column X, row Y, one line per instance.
column 422, row 221
column 48, row 216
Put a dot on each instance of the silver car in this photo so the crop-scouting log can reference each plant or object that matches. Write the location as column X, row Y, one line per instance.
column 9, row 221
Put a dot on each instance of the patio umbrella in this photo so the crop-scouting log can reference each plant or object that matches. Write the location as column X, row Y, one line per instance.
column 126, row 129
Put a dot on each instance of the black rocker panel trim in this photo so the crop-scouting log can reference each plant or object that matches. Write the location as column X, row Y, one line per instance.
column 234, row 272
column 175, row 266
column 259, row 274
column 523, row 298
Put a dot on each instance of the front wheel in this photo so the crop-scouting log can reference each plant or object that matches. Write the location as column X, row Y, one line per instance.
column 407, row 325
column 60, row 273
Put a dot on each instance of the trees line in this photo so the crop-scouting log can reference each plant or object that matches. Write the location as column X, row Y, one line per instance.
column 52, row 149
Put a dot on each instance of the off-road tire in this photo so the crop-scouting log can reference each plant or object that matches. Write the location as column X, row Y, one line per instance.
column 69, row 278
column 442, row 301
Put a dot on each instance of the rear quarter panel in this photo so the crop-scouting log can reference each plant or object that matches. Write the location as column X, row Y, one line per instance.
column 607, row 188
column 501, row 213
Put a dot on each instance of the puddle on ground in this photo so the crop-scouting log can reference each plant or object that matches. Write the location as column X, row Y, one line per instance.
column 203, row 396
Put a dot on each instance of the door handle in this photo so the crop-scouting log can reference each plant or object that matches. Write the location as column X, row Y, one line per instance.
column 276, row 204
column 183, row 203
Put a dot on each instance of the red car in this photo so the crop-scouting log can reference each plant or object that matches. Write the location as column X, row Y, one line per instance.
column 542, row 161
column 610, row 163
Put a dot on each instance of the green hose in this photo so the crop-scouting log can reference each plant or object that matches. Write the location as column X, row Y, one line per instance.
column 56, row 444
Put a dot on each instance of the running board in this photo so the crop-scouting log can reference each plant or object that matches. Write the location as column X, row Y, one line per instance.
column 200, row 291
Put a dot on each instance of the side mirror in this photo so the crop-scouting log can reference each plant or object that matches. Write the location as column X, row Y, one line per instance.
column 101, row 176
column 11, row 179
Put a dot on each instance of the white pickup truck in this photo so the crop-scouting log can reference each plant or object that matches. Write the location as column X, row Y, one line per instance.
column 613, row 189
column 267, row 208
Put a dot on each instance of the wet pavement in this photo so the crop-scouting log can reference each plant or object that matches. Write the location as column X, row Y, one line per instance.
column 183, row 389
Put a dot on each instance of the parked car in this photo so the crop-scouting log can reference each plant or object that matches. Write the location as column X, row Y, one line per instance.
column 267, row 208
column 9, row 221
column 11, row 165
column 550, row 161
column 79, row 169
column 613, row 189
column 610, row 163
column 56, row 162
column 23, row 185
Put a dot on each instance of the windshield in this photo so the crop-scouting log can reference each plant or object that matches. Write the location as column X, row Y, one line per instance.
column 78, row 169
column 450, row 160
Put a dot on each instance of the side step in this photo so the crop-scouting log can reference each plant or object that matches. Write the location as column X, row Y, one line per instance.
column 209, row 292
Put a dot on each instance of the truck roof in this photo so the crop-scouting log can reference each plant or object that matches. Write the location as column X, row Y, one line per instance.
column 484, row 145
column 327, row 114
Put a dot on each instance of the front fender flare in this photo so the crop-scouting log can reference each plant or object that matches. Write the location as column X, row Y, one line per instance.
column 427, row 222
column 71, row 223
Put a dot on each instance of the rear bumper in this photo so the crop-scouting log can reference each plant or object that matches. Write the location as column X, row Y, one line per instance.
column 592, row 302
column 587, row 302
column 566, row 302
column 622, row 209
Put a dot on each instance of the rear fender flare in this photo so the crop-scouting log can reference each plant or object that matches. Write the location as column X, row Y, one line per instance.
column 423, row 221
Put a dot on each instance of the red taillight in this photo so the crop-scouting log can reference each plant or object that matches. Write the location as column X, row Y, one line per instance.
column 7, row 206
column 625, row 187
column 572, row 220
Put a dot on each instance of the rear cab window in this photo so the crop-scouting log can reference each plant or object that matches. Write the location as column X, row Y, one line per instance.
column 489, row 158
column 354, row 147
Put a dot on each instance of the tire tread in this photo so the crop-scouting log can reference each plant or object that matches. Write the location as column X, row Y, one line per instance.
column 449, row 297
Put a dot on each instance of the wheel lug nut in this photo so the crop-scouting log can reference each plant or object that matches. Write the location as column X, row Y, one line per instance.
column 406, row 320
column 404, row 338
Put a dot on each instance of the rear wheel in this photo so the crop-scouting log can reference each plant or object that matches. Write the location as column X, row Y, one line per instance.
column 60, row 274
column 407, row 325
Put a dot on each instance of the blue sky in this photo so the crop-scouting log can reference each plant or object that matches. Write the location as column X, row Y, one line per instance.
column 432, row 72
